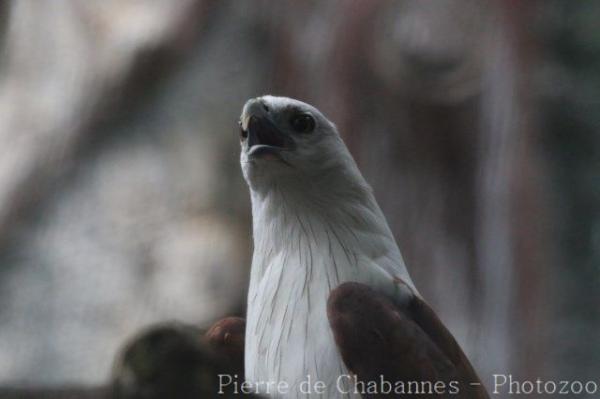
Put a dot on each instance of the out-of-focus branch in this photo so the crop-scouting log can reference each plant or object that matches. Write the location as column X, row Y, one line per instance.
column 179, row 361
column 170, row 360
column 56, row 90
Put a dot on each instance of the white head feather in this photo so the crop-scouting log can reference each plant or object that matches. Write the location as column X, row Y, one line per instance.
column 316, row 224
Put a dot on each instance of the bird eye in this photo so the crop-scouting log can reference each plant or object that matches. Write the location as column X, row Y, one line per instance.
column 302, row 123
column 243, row 133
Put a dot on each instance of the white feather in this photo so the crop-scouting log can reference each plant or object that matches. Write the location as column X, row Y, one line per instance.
column 316, row 224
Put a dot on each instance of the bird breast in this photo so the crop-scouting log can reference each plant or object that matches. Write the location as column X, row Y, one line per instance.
column 288, row 337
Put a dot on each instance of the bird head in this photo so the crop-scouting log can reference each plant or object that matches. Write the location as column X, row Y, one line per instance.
column 286, row 140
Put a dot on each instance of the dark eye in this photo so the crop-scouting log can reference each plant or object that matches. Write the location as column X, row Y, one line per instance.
column 243, row 133
column 302, row 123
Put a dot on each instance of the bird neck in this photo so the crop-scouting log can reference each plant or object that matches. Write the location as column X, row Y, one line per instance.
column 339, row 202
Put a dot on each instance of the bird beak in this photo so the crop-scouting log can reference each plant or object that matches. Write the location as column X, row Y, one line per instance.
column 260, row 133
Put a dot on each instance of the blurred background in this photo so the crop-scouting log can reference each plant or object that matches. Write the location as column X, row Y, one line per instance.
column 122, row 203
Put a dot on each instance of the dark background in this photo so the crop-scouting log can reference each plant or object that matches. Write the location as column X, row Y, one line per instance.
column 122, row 203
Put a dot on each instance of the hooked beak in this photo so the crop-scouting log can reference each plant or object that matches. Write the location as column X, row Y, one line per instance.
column 263, row 137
